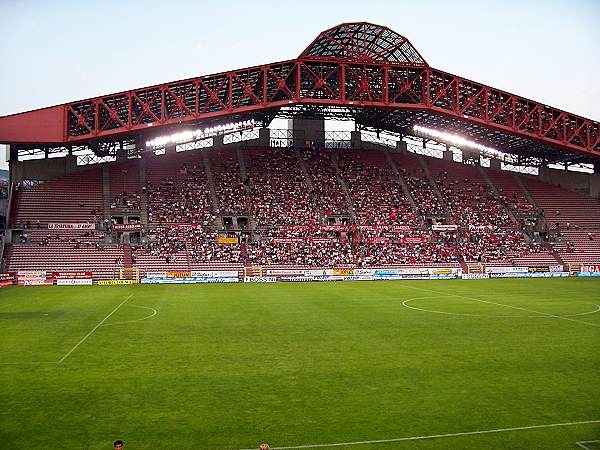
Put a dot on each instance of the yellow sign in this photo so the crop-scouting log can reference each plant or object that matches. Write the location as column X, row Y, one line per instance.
column 343, row 272
column 227, row 240
column 179, row 274
column 114, row 282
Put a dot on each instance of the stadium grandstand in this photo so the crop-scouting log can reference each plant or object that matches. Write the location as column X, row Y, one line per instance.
column 439, row 171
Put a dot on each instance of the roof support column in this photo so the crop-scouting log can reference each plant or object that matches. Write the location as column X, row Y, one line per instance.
column 314, row 131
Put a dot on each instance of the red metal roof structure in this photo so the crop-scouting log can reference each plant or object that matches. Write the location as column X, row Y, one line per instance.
column 358, row 71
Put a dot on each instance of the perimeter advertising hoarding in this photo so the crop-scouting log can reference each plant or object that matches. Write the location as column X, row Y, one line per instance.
column 74, row 282
column 533, row 269
column 530, row 275
column 35, row 282
column 107, row 282
column 214, row 273
column 343, row 272
column 475, row 276
column 285, row 272
column 189, row 280
column 156, row 275
column 510, row 269
column 260, row 279
column 179, row 274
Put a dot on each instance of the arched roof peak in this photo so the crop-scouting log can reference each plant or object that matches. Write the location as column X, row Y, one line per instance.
column 363, row 42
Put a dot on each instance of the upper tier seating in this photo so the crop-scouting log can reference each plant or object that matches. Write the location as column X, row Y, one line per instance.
column 231, row 192
column 329, row 196
column 272, row 190
column 178, row 191
column 568, row 208
column 73, row 198
column 125, row 185
column 279, row 193
column 376, row 193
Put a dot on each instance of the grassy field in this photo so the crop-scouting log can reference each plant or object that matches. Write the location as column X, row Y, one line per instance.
column 230, row 366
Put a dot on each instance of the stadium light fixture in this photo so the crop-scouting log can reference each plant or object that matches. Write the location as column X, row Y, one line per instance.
column 459, row 142
column 200, row 133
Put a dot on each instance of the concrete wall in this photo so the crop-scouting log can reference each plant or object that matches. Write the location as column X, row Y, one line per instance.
column 306, row 130
column 44, row 169
column 585, row 183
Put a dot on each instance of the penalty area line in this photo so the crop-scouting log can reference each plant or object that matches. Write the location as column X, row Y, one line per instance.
column 508, row 306
column 585, row 447
column 437, row 436
column 94, row 329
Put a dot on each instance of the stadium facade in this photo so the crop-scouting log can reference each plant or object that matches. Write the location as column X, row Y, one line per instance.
column 187, row 176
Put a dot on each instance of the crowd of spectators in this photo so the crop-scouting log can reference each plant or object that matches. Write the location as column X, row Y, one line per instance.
column 125, row 200
column 471, row 203
column 306, row 252
column 425, row 197
column 328, row 195
column 182, row 198
column 376, row 193
column 279, row 192
column 231, row 192
column 164, row 243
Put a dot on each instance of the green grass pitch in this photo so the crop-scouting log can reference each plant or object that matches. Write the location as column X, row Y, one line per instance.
column 229, row 366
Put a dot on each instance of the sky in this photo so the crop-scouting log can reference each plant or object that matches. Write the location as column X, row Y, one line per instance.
column 58, row 51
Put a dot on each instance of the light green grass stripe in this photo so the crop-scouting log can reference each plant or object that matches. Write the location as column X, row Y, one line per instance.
column 437, row 436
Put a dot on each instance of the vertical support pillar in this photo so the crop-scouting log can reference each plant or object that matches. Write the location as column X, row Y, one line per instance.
column 314, row 131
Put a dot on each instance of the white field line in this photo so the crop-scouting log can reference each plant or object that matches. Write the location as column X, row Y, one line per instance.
column 405, row 304
column 93, row 329
column 435, row 436
column 585, row 447
column 154, row 312
column 507, row 306
column 27, row 362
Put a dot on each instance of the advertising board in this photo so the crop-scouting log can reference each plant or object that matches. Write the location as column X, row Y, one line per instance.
column 260, row 279
column 179, row 274
column 85, row 274
column 213, row 273
column 111, row 282
column 73, row 281
column 71, row 226
column 188, row 280
column 475, row 276
column 505, row 269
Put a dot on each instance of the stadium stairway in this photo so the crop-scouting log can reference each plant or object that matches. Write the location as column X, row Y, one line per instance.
column 492, row 185
column 340, row 179
column 403, row 184
column 242, row 163
column 143, row 192
column 307, row 178
column 211, row 181
column 430, row 179
column 127, row 258
column 105, row 191
column 527, row 193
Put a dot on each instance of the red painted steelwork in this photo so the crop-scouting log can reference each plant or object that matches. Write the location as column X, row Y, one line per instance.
column 327, row 79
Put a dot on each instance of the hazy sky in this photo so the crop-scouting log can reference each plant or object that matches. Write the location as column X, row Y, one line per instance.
column 54, row 52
